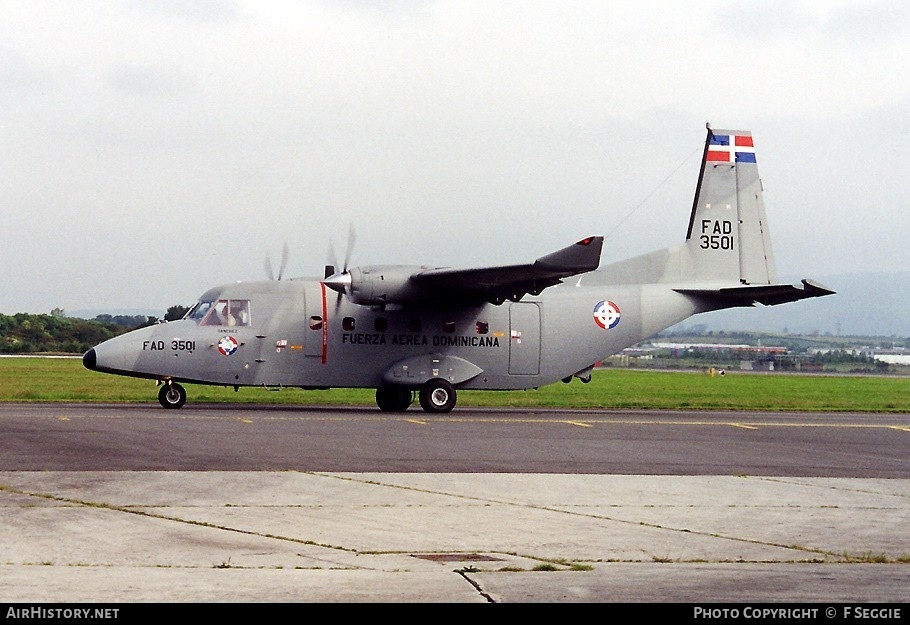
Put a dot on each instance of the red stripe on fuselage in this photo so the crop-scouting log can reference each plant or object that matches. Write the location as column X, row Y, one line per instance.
column 325, row 326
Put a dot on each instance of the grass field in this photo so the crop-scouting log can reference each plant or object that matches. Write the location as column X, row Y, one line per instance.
column 65, row 380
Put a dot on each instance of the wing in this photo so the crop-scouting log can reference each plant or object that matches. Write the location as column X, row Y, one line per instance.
column 512, row 282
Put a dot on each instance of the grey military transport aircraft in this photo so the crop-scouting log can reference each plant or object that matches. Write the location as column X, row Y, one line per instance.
column 426, row 332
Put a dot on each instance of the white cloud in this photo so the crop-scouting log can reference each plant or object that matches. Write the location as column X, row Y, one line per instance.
column 168, row 146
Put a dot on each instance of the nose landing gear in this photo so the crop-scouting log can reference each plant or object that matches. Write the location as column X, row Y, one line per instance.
column 171, row 395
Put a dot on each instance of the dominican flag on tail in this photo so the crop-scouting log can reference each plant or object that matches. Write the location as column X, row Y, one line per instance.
column 730, row 148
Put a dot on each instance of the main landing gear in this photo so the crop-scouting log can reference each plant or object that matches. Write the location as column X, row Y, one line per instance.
column 436, row 395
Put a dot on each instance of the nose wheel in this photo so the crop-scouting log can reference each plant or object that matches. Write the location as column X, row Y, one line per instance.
column 171, row 395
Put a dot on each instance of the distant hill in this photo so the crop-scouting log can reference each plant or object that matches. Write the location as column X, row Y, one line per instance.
column 866, row 304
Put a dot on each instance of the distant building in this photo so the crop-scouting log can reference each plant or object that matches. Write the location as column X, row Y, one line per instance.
column 714, row 348
column 892, row 356
column 756, row 365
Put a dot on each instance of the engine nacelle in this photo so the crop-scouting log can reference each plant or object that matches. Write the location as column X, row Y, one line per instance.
column 377, row 285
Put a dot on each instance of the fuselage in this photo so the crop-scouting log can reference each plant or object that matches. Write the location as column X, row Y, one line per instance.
column 297, row 333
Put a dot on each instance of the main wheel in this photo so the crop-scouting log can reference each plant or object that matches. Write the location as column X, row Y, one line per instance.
column 172, row 395
column 393, row 398
column 437, row 395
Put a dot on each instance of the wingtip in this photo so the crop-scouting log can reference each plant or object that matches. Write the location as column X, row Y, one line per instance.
column 811, row 286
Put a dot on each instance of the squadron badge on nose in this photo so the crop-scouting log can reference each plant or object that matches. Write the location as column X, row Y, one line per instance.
column 227, row 345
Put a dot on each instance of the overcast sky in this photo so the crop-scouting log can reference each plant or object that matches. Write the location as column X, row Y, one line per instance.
column 153, row 149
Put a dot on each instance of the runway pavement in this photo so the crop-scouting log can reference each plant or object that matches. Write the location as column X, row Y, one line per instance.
column 293, row 536
column 268, row 507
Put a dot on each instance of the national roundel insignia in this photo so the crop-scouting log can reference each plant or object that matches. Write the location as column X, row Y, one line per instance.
column 606, row 315
column 227, row 345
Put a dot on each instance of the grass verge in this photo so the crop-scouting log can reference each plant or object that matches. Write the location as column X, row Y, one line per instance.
column 66, row 380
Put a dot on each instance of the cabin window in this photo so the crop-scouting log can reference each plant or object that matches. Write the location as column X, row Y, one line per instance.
column 414, row 325
column 380, row 324
column 482, row 327
column 448, row 327
column 224, row 312
column 347, row 324
column 315, row 322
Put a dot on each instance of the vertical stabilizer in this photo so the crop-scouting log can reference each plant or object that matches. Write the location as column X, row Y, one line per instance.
column 728, row 238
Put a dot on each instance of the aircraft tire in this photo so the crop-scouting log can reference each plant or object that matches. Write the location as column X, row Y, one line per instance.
column 393, row 398
column 437, row 395
column 172, row 395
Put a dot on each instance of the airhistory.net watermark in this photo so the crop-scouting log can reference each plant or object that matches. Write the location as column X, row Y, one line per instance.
column 35, row 612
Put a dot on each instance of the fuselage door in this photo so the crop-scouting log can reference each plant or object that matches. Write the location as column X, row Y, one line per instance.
column 524, row 339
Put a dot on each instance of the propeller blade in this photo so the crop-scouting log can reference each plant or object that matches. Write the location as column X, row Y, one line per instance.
column 268, row 267
column 347, row 254
column 332, row 261
column 285, row 254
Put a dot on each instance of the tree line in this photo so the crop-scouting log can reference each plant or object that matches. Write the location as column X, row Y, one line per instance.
column 55, row 333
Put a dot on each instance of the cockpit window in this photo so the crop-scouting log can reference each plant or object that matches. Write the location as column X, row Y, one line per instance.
column 198, row 311
column 224, row 312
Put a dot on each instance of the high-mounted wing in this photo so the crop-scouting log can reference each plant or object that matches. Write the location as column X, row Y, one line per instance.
column 512, row 282
column 396, row 284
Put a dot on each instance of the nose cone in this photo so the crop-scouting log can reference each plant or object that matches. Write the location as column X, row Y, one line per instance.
column 89, row 360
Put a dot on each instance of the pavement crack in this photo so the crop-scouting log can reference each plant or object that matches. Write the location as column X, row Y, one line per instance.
column 477, row 587
column 575, row 513
column 131, row 509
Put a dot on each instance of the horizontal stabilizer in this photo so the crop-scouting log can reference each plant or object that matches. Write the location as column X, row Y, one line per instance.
column 769, row 294
column 497, row 284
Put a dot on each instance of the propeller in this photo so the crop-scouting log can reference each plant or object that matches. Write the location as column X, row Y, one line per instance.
column 285, row 253
column 340, row 282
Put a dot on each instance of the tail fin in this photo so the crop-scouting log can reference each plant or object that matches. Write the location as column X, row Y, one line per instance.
column 728, row 238
column 726, row 259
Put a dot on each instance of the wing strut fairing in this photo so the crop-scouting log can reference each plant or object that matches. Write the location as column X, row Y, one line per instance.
column 381, row 285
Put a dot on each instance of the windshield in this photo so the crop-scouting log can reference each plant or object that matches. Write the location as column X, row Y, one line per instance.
column 198, row 311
